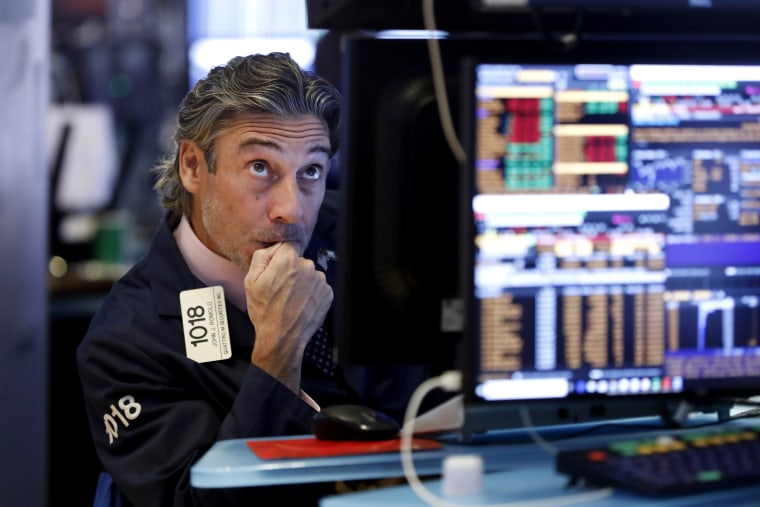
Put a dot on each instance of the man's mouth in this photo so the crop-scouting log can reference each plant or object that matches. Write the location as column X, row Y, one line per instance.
column 281, row 234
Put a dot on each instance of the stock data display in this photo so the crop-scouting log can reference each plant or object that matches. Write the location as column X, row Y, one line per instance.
column 557, row 128
column 617, row 214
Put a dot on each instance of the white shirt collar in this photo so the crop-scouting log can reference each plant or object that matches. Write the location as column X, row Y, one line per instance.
column 209, row 267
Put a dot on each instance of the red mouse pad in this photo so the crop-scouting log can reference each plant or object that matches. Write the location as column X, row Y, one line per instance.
column 310, row 447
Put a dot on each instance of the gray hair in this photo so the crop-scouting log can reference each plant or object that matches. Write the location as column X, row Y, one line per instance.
column 267, row 84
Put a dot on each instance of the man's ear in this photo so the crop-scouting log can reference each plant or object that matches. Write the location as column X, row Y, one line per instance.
column 191, row 164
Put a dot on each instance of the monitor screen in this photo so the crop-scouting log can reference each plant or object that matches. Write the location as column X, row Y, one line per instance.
column 612, row 250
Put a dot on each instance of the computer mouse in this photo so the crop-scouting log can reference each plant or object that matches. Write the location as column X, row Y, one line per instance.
column 353, row 422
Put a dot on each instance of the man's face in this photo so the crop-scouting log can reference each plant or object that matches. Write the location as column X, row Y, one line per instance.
column 268, row 185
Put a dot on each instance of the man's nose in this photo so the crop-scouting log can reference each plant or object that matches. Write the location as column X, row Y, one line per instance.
column 286, row 202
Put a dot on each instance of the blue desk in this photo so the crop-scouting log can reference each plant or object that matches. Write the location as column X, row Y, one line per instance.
column 231, row 463
column 535, row 483
column 517, row 469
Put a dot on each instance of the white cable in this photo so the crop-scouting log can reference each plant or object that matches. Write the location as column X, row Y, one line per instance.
column 439, row 84
column 448, row 380
column 534, row 435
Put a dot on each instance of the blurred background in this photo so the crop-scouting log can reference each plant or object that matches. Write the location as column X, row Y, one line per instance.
column 118, row 71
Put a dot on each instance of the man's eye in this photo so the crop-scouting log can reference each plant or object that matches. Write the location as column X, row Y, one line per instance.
column 312, row 172
column 258, row 168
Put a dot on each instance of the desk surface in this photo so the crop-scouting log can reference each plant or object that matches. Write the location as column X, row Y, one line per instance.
column 517, row 469
column 231, row 463
column 534, row 484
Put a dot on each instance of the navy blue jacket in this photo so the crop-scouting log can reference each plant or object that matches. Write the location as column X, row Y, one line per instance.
column 153, row 412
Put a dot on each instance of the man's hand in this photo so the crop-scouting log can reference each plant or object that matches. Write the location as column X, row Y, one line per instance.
column 287, row 301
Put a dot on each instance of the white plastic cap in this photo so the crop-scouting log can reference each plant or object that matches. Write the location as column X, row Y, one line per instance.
column 462, row 475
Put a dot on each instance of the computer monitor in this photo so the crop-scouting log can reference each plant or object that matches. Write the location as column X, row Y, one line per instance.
column 612, row 240
column 397, row 299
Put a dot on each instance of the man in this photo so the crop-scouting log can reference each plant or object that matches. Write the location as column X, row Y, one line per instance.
column 216, row 333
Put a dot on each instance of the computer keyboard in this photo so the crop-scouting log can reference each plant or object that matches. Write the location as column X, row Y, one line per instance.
column 685, row 462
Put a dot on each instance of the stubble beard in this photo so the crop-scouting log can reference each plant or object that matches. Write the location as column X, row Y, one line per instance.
column 216, row 222
column 212, row 216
